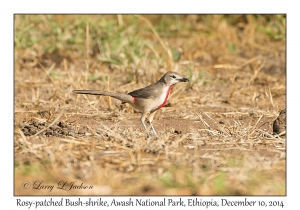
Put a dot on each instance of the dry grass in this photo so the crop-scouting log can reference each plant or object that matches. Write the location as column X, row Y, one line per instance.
column 215, row 133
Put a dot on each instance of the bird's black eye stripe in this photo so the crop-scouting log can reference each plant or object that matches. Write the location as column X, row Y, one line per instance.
column 173, row 76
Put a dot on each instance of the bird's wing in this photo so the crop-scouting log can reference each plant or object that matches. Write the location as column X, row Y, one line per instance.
column 150, row 91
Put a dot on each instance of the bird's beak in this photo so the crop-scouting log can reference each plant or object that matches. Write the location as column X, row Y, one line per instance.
column 184, row 80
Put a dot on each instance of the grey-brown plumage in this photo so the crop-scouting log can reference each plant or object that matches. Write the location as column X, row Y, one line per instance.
column 150, row 91
column 148, row 99
column 121, row 96
column 154, row 90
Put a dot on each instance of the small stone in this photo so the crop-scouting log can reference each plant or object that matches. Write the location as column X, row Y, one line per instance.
column 88, row 134
column 42, row 124
column 49, row 133
column 55, row 133
column 62, row 124
column 177, row 132
column 36, row 124
column 64, row 131
column 72, row 134
column 70, row 127
column 26, row 125
column 25, row 130
column 81, row 132
column 32, row 132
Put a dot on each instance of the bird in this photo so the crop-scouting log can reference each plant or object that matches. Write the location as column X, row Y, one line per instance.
column 148, row 99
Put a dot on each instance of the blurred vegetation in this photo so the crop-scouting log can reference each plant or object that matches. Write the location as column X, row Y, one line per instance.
column 123, row 38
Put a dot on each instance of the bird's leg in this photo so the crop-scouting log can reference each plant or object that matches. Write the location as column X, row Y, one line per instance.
column 143, row 122
column 150, row 120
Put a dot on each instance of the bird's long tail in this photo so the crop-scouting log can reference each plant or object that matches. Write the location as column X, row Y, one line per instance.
column 121, row 96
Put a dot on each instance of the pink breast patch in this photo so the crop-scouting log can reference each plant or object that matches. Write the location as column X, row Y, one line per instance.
column 166, row 98
column 133, row 99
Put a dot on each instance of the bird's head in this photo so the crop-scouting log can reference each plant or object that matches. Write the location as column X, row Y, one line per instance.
column 172, row 78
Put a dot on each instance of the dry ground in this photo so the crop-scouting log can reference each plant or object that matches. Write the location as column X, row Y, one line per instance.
column 215, row 133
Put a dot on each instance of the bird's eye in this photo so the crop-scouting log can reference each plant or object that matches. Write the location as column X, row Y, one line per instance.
column 173, row 76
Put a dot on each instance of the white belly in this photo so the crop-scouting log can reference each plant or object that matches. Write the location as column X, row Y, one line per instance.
column 152, row 104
